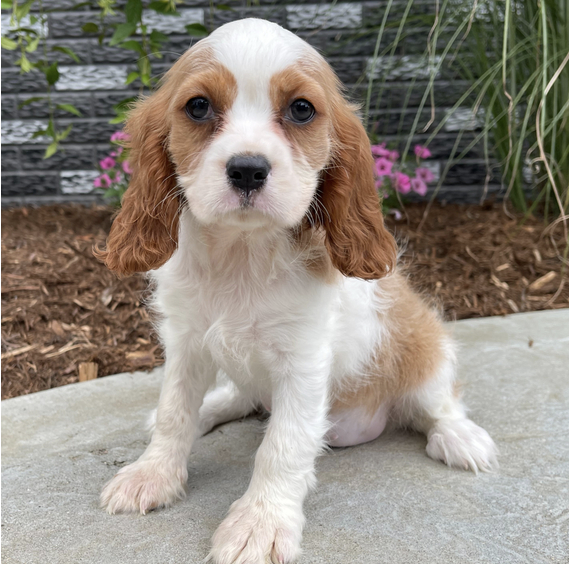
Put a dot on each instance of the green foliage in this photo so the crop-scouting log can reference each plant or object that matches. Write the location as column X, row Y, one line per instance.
column 28, row 36
column 515, row 56
column 524, row 51
column 133, row 34
column 197, row 30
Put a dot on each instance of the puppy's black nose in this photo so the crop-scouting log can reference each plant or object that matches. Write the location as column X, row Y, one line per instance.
column 248, row 173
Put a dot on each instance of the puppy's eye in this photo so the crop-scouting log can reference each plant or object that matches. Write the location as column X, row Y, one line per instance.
column 301, row 111
column 199, row 109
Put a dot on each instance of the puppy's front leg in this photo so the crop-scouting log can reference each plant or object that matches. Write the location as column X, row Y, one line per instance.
column 268, row 519
column 159, row 476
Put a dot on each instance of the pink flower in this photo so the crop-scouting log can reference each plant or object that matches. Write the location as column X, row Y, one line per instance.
column 103, row 181
column 378, row 183
column 118, row 176
column 107, row 163
column 424, row 174
column 397, row 214
column 383, row 167
column 417, row 185
column 126, row 167
column 393, row 156
column 422, row 152
column 380, row 151
column 401, row 182
column 120, row 136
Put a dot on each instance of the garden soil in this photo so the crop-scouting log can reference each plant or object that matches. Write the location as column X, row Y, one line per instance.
column 62, row 308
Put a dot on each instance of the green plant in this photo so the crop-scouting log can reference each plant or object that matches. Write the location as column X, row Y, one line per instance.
column 527, row 97
column 133, row 34
column 27, row 35
column 515, row 56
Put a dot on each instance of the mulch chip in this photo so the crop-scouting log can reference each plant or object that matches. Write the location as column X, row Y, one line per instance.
column 62, row 308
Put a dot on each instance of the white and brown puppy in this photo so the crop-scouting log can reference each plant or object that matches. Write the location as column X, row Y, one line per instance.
column 253, row 202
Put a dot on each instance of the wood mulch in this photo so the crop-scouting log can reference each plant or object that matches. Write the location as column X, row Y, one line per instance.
column 62, row 308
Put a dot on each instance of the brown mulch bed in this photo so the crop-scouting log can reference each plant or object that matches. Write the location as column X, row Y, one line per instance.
column 61, row 308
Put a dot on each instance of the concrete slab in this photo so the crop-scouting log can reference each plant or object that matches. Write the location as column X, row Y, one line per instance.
column 380, row 502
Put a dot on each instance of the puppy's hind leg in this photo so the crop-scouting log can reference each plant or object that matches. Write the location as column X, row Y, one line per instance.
column 223, row 404
column 435, row 409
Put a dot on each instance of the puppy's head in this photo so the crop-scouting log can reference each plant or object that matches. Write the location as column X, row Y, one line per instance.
column 250, row 129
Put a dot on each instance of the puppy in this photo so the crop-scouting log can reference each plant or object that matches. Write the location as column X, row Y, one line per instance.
column 252, row 202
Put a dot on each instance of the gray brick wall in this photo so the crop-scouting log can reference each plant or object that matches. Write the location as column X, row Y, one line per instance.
column 345, row 32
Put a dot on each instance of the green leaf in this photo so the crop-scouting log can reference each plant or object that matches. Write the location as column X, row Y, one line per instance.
column 133, row 11
column 63, row 135
column 196, row 30
column 122, row 32
column 32, row 45
column 163, row 8
column 24, row 63
column 133, row 46
column 30, row 101
column 118, row 119
column 90, row 27
column 125, row 105
column 145, row 79
column 51, row 149
column 23, row 9
column 132, row 76
column 223, row 7
column 8, row 44
column 52, row 73
column 39, row 133
column 6, row 4
column 50, row 130
column 67, row 51
column 27, row 30
column 157, row 36
column 69, row 108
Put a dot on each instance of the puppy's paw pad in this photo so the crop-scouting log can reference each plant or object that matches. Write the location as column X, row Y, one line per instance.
column 463, row 444
column 252, row 533
column 141, row 487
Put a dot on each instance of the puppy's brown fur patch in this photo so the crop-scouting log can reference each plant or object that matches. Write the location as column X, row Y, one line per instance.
column 310, row 139
column 411, row 350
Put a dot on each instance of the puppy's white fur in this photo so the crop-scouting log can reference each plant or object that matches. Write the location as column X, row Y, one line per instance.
column 238, row 298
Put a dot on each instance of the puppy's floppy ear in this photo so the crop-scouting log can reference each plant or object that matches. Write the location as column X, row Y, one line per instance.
column 144, row 234
column 357, row 241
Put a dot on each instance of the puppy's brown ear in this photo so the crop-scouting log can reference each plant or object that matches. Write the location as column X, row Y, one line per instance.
column 144, row 234
column 357, row 241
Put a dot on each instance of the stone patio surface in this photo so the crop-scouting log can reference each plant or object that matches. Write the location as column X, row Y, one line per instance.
column 383, row 502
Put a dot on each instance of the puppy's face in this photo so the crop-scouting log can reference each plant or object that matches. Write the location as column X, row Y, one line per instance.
column 249, row 146
column 250, row 129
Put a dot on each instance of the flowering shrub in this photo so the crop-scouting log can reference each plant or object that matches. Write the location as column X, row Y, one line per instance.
column 115, row 170
column 392, row 176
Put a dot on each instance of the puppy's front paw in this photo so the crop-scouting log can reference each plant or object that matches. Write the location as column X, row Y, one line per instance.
column 462, row 444
column 143, row 486
column 254, row 530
